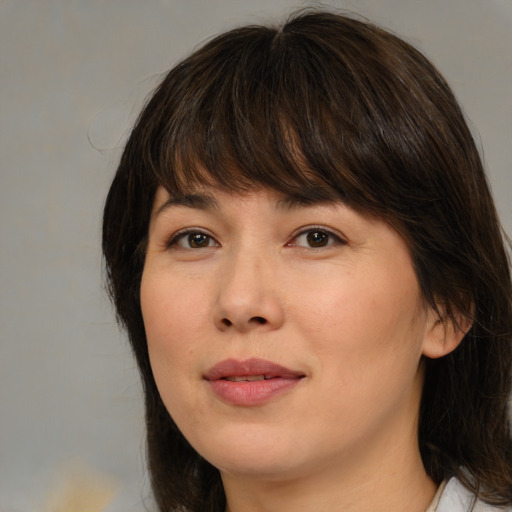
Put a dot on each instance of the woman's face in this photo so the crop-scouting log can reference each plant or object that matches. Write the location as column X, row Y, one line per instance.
column 284, row 338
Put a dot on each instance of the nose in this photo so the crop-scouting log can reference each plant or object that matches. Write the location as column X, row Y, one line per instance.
column 248, row 295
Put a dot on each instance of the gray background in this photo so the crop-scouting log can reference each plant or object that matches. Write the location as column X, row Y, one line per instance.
column 70, row 75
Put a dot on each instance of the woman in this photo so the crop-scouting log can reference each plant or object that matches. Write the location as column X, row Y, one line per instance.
column 302, row 246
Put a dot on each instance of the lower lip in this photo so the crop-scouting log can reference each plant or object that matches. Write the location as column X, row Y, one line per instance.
column 250, row 393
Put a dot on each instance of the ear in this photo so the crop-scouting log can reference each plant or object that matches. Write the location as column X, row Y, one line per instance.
column 444, row 333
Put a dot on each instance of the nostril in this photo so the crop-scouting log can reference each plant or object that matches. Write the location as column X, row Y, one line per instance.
column 259, row 320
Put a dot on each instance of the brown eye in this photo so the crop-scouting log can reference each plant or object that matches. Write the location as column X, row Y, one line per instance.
column 192, row 240
column 198, row 240
column 317, row 238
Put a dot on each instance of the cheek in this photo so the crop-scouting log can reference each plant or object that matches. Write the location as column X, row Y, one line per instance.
column 175, row 332
column 366, row 322
column 172, row 321
column 174, row 329
column 171, row 308
column 369, row 349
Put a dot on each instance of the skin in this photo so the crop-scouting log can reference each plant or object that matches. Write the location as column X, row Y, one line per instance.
column 348, row 314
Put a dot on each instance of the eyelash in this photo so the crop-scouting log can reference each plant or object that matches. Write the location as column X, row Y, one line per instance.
column 181, row 235
column 333, row 238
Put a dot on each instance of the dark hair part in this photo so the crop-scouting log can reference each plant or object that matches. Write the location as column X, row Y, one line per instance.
column 329, row 107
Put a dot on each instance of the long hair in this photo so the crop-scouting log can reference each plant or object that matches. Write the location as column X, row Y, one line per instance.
column 330, row 107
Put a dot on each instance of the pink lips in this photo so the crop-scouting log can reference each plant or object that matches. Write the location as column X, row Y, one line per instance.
column 250, row 382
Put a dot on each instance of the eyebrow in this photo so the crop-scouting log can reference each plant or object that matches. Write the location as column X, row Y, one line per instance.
column 208, row 202
column 291, row 202
column 197, row 201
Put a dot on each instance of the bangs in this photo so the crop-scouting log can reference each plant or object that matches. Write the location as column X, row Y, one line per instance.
column 328, row 112
column 256, row 108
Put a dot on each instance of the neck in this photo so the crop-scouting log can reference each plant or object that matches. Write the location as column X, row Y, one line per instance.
column 401, row 486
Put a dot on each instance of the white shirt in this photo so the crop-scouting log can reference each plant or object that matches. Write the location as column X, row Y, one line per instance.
column 452, row 496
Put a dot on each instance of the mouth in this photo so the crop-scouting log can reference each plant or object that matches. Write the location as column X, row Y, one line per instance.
column 250, row 382
column 250, row 370
column 248, row 378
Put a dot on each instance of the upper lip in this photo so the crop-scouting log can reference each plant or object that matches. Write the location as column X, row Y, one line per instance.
column 249, row 367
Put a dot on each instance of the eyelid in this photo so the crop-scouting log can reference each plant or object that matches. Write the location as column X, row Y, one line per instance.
column 182, row 233
column 339, row 239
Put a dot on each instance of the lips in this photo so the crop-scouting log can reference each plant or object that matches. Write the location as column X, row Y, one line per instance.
column 250, row 382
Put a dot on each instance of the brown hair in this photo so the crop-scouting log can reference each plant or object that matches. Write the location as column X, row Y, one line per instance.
column 329, row 107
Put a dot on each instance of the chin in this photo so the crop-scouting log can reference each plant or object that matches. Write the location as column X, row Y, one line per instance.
column 253, row 454
column 260, row 468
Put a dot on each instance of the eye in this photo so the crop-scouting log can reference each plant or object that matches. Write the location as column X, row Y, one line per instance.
column 317, row 238
column 192, row 240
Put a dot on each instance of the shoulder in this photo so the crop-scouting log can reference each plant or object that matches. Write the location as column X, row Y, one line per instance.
column 456, row 498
